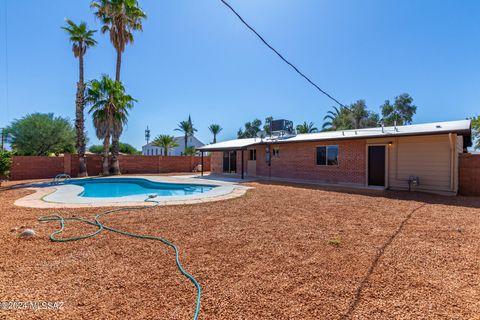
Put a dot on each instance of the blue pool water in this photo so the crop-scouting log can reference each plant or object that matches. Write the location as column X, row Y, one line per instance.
column 121, row 187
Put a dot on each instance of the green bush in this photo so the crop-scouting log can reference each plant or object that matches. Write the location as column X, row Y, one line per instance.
column 123, row 148
column 476, row 132
column 5, row 163
column 41, row 134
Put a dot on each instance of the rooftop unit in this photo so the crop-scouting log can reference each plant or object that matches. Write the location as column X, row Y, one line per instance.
column 282, row 127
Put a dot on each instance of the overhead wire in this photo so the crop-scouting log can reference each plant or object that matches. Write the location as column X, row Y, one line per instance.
column 280, row 55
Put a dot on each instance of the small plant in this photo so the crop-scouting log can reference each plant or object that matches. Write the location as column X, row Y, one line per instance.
column 190, row 151
column 5, row 162
column 335, row 242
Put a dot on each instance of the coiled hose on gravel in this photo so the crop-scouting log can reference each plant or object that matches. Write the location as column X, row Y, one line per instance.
column 100, row 227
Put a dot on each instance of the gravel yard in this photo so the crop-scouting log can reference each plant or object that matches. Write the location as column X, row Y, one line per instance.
column 279, row 252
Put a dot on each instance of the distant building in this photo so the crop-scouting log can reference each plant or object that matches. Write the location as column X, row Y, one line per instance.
column 150, row 150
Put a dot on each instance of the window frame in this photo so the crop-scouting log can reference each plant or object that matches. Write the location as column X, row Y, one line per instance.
column 326, row 165
column 252, row 152
column 276, row 152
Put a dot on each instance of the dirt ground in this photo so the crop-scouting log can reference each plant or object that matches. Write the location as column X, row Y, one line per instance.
column 279, row 252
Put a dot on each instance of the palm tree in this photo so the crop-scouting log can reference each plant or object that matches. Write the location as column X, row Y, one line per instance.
column 123, row 103
column 190, row 151
column 359, row 114
column 120, row 19
column 338, row 119
column 251, row 129
column 82, row 39
column 306, row 127
column 215, row 129
column 109, row 107
column 166, row 142
column 187, row 128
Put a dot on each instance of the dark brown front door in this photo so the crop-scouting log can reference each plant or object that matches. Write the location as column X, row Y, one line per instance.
column 376, row 166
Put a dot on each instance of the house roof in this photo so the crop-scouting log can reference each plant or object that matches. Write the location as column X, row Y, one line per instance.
column 179, row 140
column 460, row 126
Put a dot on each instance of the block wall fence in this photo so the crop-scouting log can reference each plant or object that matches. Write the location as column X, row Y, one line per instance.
column 469, row 174
column 27, row 167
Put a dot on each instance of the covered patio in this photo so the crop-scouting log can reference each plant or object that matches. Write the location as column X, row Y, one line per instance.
column 229, row 150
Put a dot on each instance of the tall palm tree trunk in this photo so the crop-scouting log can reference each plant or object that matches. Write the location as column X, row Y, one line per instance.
column 115, row 150
column 185, row 140
column 119, row 64
column 106, row 146
column 214, row 138
column 80, row 122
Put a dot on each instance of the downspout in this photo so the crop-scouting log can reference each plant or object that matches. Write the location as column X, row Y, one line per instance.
column 268, row 159
column 396, row 158
column 452, row 162
column 242, row 166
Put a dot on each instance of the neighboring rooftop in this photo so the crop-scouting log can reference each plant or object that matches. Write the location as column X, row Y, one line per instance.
column 460, row 126
column 179, row 140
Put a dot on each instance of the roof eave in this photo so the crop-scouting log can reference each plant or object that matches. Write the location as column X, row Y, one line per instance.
column 203, row 149
column 383, row 135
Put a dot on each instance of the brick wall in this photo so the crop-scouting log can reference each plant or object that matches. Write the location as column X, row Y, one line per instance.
column 48, row 167
column 298, row 161
column 217, row 162
column 35, row 167
column 469, row 174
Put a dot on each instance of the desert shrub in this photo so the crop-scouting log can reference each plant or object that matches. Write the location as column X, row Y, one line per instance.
column 5, row 163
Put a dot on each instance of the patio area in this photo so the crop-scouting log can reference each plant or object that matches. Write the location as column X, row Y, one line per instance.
column 281, row 251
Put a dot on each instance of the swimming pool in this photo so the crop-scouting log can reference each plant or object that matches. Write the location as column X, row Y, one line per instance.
column 123, row 187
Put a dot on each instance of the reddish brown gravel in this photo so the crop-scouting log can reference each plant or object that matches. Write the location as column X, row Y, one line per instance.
column 279, row 252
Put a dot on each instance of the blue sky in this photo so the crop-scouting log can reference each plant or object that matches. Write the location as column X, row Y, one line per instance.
column 194, row 57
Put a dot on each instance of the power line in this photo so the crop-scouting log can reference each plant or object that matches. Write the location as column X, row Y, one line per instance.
column 278, row 54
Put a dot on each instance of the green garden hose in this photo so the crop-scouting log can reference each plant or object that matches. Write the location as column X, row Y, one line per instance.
column 100, row 227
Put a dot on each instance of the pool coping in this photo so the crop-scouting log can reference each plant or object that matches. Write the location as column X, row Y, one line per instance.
column 66, row 196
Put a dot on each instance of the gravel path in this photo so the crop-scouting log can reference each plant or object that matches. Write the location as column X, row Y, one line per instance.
column 279, row 252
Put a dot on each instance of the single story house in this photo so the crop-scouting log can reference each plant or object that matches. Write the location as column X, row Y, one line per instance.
column 150, row 150
column 421, row 157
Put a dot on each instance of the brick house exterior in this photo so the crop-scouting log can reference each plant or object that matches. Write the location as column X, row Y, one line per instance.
column 421, row 157
column 297, row 161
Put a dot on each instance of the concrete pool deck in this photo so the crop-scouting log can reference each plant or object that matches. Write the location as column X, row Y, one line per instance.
column 67, row 195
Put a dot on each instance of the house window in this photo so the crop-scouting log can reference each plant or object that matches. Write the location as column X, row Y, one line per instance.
column 276, row 152
column 252, row 154
column 327, row 156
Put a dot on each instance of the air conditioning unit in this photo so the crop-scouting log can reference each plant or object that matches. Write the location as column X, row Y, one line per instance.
column 282, row 127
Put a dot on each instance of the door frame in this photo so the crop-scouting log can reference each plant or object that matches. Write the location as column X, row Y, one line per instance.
column 386, row 145
column 229, row 162
column 251, row 162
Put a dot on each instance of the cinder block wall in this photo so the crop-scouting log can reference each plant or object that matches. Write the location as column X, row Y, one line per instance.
column 36, row 167
column 47, row 167
column 469, row 174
